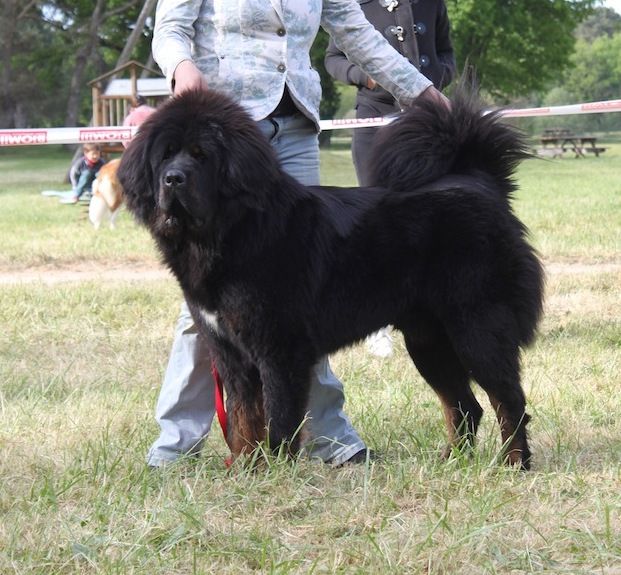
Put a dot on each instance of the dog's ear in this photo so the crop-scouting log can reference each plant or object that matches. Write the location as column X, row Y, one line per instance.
column 251, row 169
column 136, row 176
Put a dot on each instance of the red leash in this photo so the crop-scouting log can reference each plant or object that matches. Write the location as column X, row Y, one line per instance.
column 220, row 408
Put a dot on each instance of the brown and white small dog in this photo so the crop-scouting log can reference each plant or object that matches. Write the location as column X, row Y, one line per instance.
column 107, row 195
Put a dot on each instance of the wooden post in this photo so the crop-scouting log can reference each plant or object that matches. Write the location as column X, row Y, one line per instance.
column 134, row 80
column 96, row 91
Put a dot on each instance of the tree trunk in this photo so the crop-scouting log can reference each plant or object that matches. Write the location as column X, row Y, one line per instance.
column 84, row 53
column 147, row 9
column 73, row 104
column 150, row 63
column 11, row 12
column 7, row 29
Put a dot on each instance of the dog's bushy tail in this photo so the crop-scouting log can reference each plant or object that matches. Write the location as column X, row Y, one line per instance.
column 428, row 141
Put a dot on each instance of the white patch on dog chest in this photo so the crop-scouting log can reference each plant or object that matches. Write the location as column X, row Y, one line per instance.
column 211, row 319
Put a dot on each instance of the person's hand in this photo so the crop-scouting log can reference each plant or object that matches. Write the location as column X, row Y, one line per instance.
column 435, row 95
column 371, row 83
column 187, row 77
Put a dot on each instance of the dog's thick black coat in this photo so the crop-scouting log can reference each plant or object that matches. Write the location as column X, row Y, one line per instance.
column 278, row 274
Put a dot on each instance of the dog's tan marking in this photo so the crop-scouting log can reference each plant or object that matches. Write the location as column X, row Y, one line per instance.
column 247, row 427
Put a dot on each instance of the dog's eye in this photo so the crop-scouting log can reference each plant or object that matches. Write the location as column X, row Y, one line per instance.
column 169, row 152
column 197, row 153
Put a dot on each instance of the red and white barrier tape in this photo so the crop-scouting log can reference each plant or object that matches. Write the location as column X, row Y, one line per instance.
column 113, row 134
column 342, row 123
column 586, row 108
column 37, row 137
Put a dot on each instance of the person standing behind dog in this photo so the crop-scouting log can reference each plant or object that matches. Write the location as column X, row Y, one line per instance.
column 84, row 171
column 420, row 31
column 258, row 52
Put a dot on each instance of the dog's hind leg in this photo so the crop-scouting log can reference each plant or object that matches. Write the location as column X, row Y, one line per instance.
column 488, row 346
column 502, row 385
column 97, row 210
column 437, row 362
column 113, row 215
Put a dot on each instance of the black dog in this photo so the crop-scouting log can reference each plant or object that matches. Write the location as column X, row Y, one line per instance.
column 278, row 274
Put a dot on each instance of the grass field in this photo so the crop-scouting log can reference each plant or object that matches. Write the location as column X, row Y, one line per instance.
column 82, row 357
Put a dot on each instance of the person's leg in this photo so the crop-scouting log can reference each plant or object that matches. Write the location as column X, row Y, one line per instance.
column 84, row 183
column 333, row 438
column 361, row 153
column 185, row 407
column 362, row 138
column 380, row 342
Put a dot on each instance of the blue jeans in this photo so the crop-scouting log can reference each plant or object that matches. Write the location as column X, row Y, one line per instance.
column 185, row 408
column 85, row 182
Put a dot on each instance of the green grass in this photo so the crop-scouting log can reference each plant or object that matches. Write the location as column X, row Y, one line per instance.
column 573, row 205
column 39, row 231
column 80, row 368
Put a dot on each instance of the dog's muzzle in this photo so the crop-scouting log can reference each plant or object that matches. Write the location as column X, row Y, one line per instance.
column 174, row 182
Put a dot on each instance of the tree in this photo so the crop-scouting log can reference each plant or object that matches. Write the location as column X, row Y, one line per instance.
column 99, row 35
column 603, row 22
column 596, row 71
column 137, row 32
column 516, row 47
column 594, row 76
column 87, row 47
column 50, row 49
column 17, row 35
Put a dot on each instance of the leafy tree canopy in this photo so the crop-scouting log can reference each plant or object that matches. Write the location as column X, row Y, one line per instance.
column 516, row 46
column 595, row 73
column 603, row 22
column 50, row 49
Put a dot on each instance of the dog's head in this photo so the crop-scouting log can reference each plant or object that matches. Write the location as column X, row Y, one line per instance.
column 193, row 156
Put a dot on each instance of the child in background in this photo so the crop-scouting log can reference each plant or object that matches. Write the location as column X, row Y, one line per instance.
column 84, row 171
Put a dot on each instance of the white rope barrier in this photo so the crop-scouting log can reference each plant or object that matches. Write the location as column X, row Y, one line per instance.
column 114, row 134
column 587, row 108
column 342, row 123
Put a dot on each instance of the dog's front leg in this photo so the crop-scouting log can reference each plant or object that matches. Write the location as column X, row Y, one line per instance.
column 246, row 427
column 285, row 400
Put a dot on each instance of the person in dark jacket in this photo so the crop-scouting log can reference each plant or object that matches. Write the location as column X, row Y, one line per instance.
column 420, row 31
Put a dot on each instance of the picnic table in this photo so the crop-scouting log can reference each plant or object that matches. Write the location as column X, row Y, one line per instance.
column 561, row 140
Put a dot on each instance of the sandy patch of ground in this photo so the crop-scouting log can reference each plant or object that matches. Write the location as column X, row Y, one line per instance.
column 80, row 272
column 568, row 268
column 86, row 271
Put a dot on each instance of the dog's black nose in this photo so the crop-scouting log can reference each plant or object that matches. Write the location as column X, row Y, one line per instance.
column 174, row 179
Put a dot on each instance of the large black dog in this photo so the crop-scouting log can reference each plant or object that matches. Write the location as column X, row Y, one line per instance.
column 278, row 274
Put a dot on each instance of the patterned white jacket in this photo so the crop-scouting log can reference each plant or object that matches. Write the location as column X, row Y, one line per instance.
column 252, row 48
